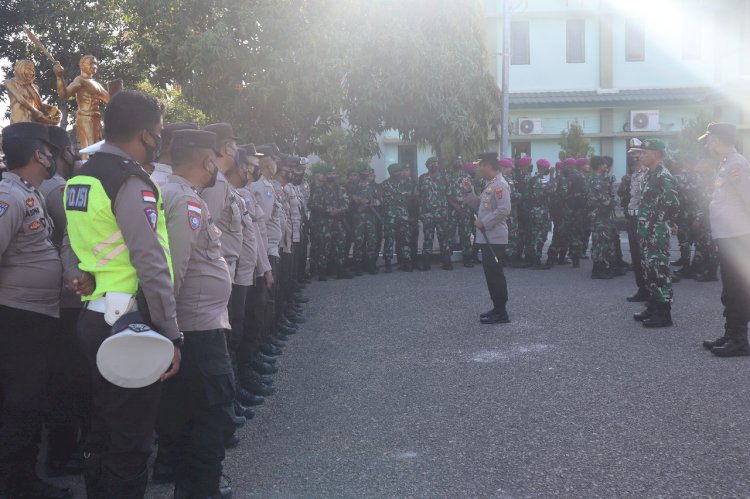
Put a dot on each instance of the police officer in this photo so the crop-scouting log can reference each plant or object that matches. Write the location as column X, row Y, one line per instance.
column 657, row 211
column 730, row 226
column 69, row 380
column 161, row 169
column 117, row 229
column 192, row 417
column 492, row 206
column 30, row 277
column 635, row 185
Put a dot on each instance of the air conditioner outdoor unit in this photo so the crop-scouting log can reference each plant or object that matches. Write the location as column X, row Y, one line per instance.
column 644, row 121
column 529, row 126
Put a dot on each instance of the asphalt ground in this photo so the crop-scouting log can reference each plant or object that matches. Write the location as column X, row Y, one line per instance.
column 393, row 389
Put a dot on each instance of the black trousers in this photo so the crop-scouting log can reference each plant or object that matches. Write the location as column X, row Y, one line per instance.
column 192, row 416
column 123, row 419
column 734, row 259
column 255, row 326
column 24, row 343
column 272, row 309
column 635, row 251
column 493, row 273
column 68, row 416
column 236, row 309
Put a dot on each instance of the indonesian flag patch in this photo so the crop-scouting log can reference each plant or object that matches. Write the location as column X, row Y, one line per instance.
column 195, row 213
column 149, row 196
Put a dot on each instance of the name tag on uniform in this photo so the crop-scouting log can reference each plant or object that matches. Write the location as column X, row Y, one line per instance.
column 78, row 198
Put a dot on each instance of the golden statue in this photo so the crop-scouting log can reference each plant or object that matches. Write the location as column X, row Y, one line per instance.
column 25, row 102
column 88, row 93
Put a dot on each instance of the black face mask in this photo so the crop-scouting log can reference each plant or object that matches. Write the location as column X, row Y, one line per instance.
column 52, row 168
column 297, row 180
column 214, row 175
column 152, row 152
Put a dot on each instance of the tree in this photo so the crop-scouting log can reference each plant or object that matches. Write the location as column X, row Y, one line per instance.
column 337, row 149
column 684, row 149
column 177, row 107
column 574, row 143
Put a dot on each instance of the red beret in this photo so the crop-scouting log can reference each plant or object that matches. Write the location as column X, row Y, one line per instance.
column 569, row 162
column 524, row 161
column 558, row 164
column 582, row 161
column 506, row 163
column 543, row 163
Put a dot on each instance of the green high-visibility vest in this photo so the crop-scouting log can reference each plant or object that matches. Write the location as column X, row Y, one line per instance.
column 92, row 228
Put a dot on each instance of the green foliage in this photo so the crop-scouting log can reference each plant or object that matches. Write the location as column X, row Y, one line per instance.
column 574, row 143
column 337, row 149
column 684, row 149
column 177, row 107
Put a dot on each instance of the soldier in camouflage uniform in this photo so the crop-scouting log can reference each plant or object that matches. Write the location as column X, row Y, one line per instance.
column 538, row 193
column 575, row 216
column 512, row 249
column 558, row 247
column 706, row 260
column 433, row 211
column 584, row 167
column 523, row 173
column 656, row 213
column 461, row 218
column 602, row 220
column 351, row 185
column 687, row 191
column 329, row 203
column 366, row 200
column 316, row 220
column 397, row 190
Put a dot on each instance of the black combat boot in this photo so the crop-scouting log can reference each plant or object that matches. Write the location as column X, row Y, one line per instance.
column 708, row 275
column 372, row 264
column 600, row 271
column 468, row 263
column 618, row 269
column 661, row 317
column 709, row 344
column 736, row 345
column 115, row 487
column 447, row 264
column 645, row 314
column 425, row 262
column 406, row 266
column 640, row 296
column 388, row 269
column 576, row 261
column 538, row 265
column 28, row 484
column 343, row 274
column 561, row 260
column 684, row 258
column 358, row 268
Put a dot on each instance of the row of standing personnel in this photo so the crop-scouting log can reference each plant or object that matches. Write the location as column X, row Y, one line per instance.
column 201, row 237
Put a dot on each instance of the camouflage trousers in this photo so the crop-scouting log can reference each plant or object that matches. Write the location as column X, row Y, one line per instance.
column 513, row 248
column 654, row 244
column 366, row 239
column 445, row 238
column 463, row 224
column 558, row 245
column 602, row 242
column 314, row 236
column 396, row 232
column 576, row 225
column 706, row 257
column 685, row 234
column 331, row 240
column 538, row 228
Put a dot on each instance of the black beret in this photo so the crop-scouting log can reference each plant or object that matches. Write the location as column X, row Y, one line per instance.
column 59, row 137
column 28, row 130
column 171, row 128
column 223, row 131
column 270, row 150
column 491, row 156
column 198, row 139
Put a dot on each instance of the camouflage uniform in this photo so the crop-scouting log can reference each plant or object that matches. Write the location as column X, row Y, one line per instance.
column 433, row 211
column 602, row 220
column 658, row 208
column 522, row 179
column 706, row 257
column 575, row 217
column 461, row 222
column 559, row 244
column 315, row 224
column 396, row 194
column 331, row 233
column 513, row 249
column 687, row 187
column 538, row 194
column 365, row 224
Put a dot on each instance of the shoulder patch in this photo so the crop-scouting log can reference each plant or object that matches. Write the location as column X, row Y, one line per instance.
column 195, row 213
column 3, row 208
column 35, row 225
column 499, row 192
column 77, row 198
column 149, row 196
column 152, row 216
column 736, row 175
column 30, row 202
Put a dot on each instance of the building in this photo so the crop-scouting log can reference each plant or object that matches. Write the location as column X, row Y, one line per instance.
column 620, row 68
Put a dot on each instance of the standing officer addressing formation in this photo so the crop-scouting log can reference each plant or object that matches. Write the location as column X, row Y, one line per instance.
column 730, row 227
column 117, row 229
column 493, row 208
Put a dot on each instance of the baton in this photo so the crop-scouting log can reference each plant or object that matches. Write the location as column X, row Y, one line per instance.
column 484, row 233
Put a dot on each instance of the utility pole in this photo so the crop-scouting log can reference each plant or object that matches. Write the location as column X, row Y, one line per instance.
column 505, row 151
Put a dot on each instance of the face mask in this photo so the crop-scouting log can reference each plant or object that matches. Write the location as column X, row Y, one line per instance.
column 52, row 168
column 152, row 152
column 214, row 174
column 297, row 180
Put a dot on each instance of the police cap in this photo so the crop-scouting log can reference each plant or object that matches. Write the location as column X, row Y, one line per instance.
column 28, row 130
column 196, row 139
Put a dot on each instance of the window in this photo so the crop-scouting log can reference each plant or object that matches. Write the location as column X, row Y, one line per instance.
column 520, row 148
column 635, row 41
column 576, row 40
column 519, row 42
column 691, row 39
